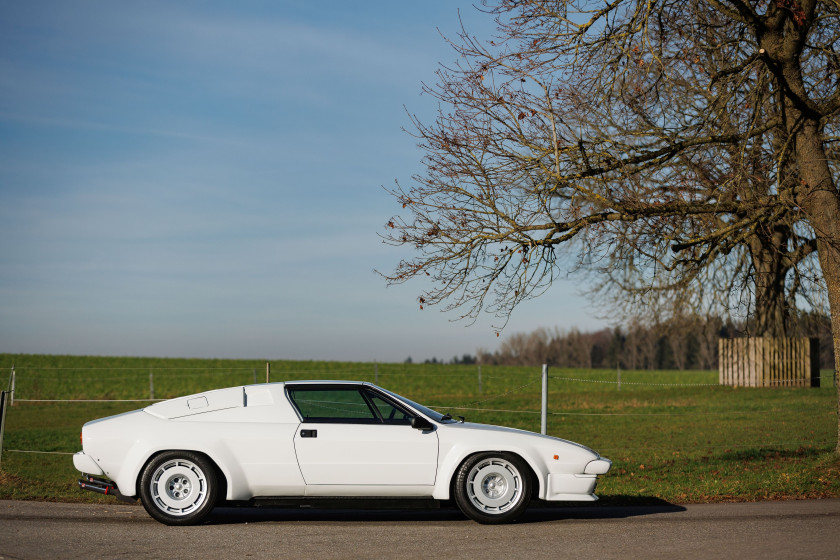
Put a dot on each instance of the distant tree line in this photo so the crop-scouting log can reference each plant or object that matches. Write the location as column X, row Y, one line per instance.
column 466, row 359
column 680, row 343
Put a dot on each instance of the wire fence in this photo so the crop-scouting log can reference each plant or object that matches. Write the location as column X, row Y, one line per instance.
column 52, row 384
column 463, row 388
column 136, row 380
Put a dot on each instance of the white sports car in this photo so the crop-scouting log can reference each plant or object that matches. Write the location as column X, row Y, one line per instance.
column 308, row 441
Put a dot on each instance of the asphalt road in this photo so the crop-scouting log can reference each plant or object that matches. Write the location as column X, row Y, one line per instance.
column 796, row 529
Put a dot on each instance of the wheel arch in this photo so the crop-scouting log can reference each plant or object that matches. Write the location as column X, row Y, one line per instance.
column 222, row 477
column 452, row 472
column 486, row 489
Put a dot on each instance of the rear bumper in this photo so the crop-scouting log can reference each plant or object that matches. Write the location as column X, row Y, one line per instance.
column 85, row 464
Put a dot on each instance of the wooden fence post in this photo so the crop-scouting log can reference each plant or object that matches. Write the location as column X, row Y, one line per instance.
column 814, row 358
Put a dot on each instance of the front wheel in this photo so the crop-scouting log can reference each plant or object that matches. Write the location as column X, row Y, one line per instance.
column 493, row 487
column 179, row 488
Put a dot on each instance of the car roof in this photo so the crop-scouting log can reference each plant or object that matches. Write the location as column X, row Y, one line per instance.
column 328, row 382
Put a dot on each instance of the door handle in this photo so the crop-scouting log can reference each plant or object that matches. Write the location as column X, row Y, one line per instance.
column 309, row 433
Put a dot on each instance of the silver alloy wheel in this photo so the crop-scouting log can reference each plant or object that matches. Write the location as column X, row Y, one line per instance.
column 178, row 487
column 494, row 486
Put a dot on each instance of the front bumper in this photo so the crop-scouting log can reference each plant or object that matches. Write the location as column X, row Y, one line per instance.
column 571, row 488
column 562, row 487
column 598, row 466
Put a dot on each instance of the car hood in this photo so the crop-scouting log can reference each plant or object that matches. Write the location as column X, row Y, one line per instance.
column 535, row 438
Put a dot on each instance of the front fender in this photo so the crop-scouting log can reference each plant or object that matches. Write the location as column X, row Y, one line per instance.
column 544, row 455
column 458, row 453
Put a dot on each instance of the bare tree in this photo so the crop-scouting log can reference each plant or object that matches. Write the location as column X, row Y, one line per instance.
column 572, row 349
column 679, row 133
column 525, row 348
column 766, row 274
column 677, row 343
column 708, row 335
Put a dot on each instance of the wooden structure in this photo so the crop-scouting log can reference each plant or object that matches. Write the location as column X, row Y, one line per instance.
column 769, row 362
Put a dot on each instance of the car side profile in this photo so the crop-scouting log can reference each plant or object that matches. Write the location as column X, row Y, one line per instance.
column 302, row 441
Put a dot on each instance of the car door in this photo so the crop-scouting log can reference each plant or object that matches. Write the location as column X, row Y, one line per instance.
column 352, row 435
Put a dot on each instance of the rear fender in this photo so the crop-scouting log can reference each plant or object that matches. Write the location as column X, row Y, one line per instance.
column 128, row 481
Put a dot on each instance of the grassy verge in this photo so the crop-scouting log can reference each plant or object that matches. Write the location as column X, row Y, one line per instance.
column 673, row 436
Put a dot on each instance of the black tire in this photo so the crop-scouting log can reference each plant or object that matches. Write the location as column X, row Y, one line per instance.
column 493, row 487
column 179, row 488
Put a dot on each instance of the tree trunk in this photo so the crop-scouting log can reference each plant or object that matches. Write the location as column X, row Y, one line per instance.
column 820, row 200
column 830, row 263
column 768, row 249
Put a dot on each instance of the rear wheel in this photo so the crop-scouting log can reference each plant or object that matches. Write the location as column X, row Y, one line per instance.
column 493, row 487
column 179, row 488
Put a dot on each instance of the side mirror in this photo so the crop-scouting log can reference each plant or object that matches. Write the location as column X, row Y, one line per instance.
column 420, row 423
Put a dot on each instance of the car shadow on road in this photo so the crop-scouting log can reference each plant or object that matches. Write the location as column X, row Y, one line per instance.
column 616, row 507
column 610, row 507
column 236, row 515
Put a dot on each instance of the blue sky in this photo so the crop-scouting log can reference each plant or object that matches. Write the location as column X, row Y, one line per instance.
column 204, row 179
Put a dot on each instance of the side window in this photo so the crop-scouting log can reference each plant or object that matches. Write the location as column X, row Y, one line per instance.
column 390, row 414
column 332, row 405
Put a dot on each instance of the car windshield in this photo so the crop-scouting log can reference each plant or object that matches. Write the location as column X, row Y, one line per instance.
column 433, row 414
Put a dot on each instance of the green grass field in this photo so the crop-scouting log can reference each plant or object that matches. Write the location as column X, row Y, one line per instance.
column 673, row 436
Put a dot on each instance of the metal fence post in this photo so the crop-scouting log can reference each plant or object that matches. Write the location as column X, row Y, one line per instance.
column 268, row 372
column 543, row 420
column 151, row 385
column 618, row 368
column 376, row 373
column 12, row 389
column 479, row 380
column 2, row 421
